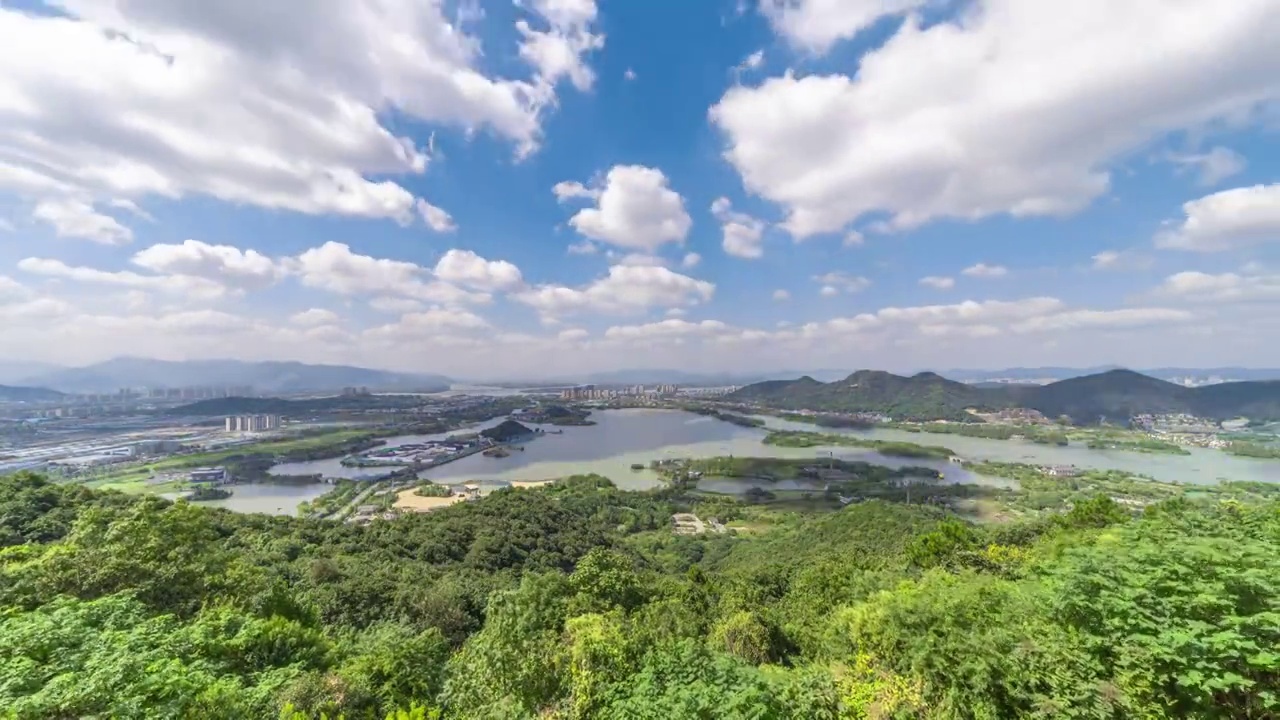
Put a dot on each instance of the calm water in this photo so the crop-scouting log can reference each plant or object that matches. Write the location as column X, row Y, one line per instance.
column 269, row 499
column 623, row 437
column 1202, row 466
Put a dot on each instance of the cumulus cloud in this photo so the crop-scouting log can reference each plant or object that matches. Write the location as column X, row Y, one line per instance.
column 127, row 100
column 335, row 268
column 1198, row 286
column 1120, row 260
column 938, row 282
column 627, row 289
column 72, row 218
column 314, row 317
column 467, row 268
column 435, row 218
column 1012, row 107
column 181, row 285
column 559, row 51
column 983, row 270
column 636, row 209
column 673, row 328
column 690, row 260
column 223, row 264
column 743, row 234
column 572, row 335
column 430, row 323
column 1226, row 220
column 816, row 25
column 1214, row 166
column 781, row 295
column 835, row 282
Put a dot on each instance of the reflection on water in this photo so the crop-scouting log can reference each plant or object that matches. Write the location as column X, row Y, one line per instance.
column 622, row 438
column 1202, row 466
column 269, row 499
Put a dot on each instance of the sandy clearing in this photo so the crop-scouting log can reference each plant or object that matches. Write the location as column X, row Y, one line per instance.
column 407, row 500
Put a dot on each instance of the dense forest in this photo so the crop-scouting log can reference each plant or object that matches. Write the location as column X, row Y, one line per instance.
column 577, row 601
column 1115, row 395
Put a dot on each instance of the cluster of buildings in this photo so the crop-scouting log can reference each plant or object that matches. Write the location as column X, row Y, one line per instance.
column 252, row 423
column 217, row 475
column 355, row 391
column 591, row 392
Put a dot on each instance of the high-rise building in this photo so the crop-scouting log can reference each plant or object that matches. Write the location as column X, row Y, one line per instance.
column 252, row 423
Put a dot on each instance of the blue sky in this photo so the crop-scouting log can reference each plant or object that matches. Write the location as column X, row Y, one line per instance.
column 486, row 189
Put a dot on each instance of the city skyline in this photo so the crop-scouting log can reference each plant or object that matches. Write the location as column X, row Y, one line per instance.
column 551, row 188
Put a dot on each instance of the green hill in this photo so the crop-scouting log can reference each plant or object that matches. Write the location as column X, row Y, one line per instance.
column 1115, row 395
column 577, row 601
column 926, row 396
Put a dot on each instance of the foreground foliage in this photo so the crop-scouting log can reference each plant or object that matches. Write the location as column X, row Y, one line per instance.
column 577, row 601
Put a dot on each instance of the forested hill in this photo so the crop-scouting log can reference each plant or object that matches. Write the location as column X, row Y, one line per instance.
column 1114, row 395
column 11, row 393
column 577, row 601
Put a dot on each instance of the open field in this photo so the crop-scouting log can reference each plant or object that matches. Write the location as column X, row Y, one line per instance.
column 410, row 500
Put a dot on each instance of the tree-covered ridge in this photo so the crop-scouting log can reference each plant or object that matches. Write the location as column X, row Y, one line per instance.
column 577, row 601
column 1115, row 395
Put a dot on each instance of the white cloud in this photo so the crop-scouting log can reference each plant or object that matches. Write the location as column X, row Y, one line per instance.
column 73, row 218
column 182, row 285
column 435, row 218
column 314, row 317
column 1225, row 287
column 743, row 234
column 627, row 289
column 572, row 335
column 690, row 260
column 586, row 247
column 1123, row 318
column 1226, row 220
column 570, row 189
column 1013, row 107
column 395, row 305
column 10, row 288
column 1214, row 166
column 1120, row 260
column 430, row 323
column 983, row 270
column 636, row 209
column 6, row 226
column 636, row 259
column 335, row 268
column 223, row 264
column 242, row 102
column 751, row 62
column 464, row 267
column 673, row 328
column 816, row 25
column 629, row 74
column 938, row 282
column 559, row 51
column 781, row 295
column 836, row 281
column 853, row 238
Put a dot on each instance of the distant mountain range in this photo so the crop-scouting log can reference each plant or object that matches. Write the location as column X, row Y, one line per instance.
column 1113, row 395
column 11, row 393
column 263, row 377
column 1195, row 376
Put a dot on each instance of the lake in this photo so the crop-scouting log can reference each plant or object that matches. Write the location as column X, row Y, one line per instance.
column 1201, row 467
column 624, row 437
column 267, row 498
